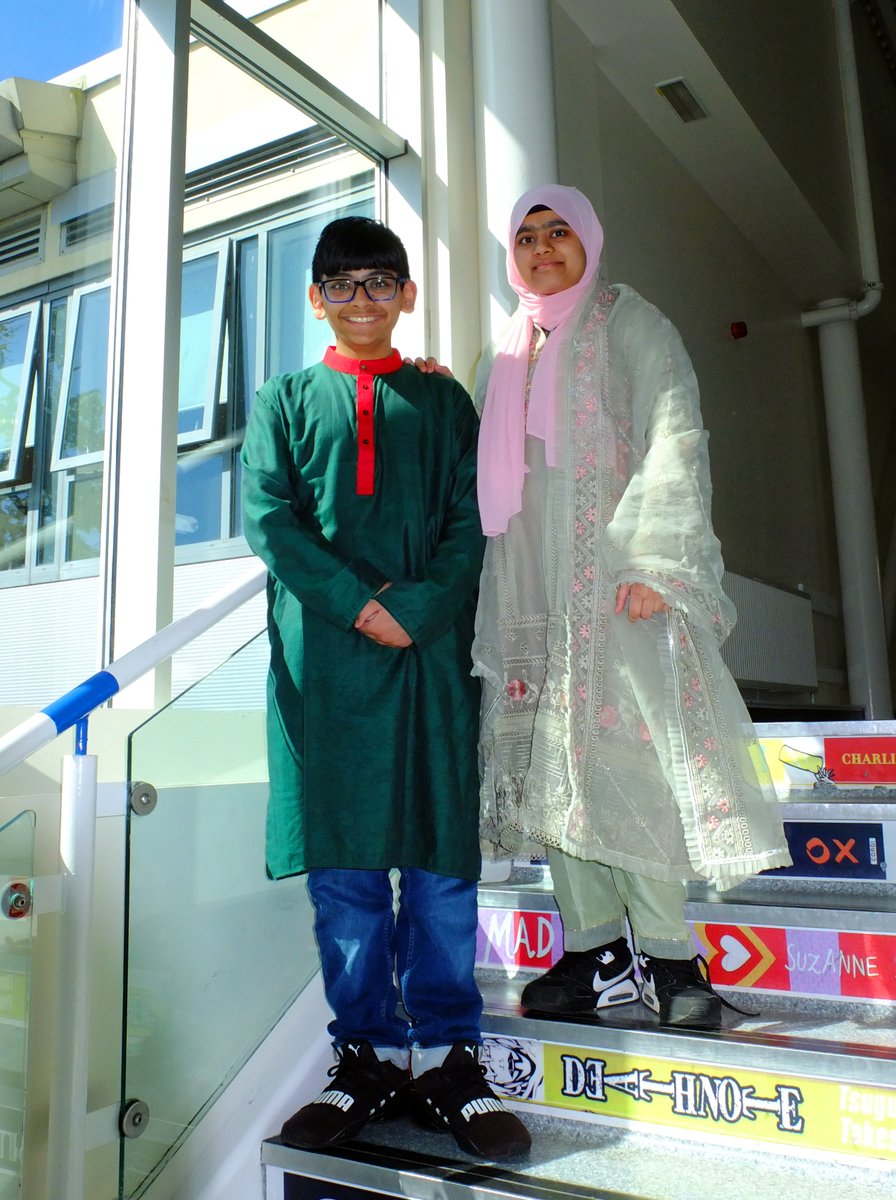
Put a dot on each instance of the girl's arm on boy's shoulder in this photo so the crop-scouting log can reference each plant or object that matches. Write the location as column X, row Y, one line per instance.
column 429, row 366
column 282, row 530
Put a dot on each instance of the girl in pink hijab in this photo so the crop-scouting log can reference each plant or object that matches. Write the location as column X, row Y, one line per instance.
column 612, row 733
column 504, row 424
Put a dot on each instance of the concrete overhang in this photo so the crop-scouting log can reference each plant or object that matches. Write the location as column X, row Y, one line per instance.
column 40, row 125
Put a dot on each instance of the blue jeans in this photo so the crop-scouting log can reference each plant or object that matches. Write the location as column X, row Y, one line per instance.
column 430, row 946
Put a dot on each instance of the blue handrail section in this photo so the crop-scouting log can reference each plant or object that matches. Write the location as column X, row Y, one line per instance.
column 76, row 705
column 81, row 700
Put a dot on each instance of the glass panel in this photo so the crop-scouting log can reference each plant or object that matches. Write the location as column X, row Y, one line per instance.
column 17, row 332
column 84, row 513
column 13, row 523
column 350, row 61
column 200, row 475
column 202, row 303
column 84, row 413
column 294, row 338
column 16, row 886
column 215, row 950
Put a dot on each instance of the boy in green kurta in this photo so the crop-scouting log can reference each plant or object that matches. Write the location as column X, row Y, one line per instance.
column 359, row 494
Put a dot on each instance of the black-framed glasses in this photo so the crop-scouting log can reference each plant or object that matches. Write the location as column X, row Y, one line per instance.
column 376, row 287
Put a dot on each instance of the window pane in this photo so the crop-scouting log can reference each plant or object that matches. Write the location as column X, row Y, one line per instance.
column 13, row 519
column 200, row 323
column 85, row 494
column 294, row 338
column 351, row 60
column 16, row 344
column 199, row 503
column 85, row 401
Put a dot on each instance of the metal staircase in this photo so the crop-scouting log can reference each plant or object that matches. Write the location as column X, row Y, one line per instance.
column 798, row 1099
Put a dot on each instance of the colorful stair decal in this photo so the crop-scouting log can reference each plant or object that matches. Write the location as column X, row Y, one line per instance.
column 800, row 1112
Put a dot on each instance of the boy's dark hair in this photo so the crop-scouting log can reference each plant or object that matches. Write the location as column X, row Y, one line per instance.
column 353, row 243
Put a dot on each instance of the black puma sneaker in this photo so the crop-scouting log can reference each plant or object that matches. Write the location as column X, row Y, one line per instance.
column 363, row 1089
column 455, row 1096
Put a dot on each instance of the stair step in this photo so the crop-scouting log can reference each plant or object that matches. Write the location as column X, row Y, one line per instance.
column 801, row 1082
column 570, row 1161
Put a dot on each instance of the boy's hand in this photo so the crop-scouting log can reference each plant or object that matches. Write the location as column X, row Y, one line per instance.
column 643, row 602
column 429, row 366
column 380, row 626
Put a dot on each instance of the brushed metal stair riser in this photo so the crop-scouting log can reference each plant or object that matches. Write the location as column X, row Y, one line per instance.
column 799, row 1112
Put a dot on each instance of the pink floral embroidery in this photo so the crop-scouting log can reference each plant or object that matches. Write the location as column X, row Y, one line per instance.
column 589, row 573
column 516, row 689
column 701, row 760
column 695, row 683
column 591, row 515
column 584, row 632
column 608, row 717
column 713, row 822
column 580, row 528
column 723, row 805
column 581, row 472
column 688, row 700
column 709, row 743
column 577, row 586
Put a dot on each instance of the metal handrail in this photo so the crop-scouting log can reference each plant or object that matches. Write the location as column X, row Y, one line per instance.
column 37, row 731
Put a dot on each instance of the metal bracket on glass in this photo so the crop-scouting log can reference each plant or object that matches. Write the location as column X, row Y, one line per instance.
column 16, row 899
column 134, row 1118
column 143, row 798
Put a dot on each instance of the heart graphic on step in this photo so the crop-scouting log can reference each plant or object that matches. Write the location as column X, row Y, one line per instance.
column 735, row 953
column 739, row 955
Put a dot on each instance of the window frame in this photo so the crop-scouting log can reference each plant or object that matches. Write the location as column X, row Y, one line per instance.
column 215, row 368
column 57, row 463
column 10, row 475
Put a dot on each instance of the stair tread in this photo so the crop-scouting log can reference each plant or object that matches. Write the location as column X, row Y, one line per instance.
column 859, row 1039
column 605, row 1162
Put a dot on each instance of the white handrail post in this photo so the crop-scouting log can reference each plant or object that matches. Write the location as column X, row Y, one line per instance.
column 68, row 1101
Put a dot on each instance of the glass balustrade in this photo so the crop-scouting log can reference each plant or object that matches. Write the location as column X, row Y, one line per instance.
column 216, row 952
column 16, row 908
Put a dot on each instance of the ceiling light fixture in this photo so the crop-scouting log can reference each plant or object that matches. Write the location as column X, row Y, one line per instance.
column 685, row 104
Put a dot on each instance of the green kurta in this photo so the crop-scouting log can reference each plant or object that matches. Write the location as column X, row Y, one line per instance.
column 372, row 750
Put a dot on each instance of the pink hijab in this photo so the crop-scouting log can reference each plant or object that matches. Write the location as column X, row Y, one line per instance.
column 502, row 435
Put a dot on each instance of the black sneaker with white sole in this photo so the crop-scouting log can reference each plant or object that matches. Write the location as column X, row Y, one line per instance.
column 363, row 1089
column 585, row 980
column 456, row 1097
column 680, row 992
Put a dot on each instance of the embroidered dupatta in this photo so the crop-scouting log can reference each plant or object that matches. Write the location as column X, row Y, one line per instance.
column 626, row 743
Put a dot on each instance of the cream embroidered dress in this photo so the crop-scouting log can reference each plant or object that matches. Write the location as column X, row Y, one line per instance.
column 625, row 743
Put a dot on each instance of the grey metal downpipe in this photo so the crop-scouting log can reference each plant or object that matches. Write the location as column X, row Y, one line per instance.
column 863, row 619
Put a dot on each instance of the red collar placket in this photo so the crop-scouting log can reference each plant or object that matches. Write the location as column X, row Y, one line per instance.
column 366, row 371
